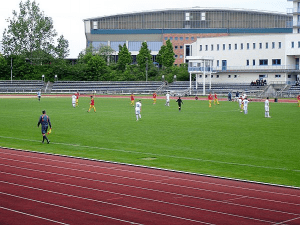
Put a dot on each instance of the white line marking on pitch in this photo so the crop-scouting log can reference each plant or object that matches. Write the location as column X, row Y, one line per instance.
column 157, row 155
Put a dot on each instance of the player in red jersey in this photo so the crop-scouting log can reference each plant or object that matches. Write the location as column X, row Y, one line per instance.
column 77, row 98
column 154, row 97
column 298, row 98
column 216, row 99
column 210, row 98
column 92, row 104
column 132, row 99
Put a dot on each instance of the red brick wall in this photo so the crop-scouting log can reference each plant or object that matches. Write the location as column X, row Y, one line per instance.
column 180, row 51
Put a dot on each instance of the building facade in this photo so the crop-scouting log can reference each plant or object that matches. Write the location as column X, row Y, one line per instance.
column 181, row 27
column 273, row 58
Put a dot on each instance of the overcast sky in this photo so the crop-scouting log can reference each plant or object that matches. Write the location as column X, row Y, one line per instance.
column 68, row 15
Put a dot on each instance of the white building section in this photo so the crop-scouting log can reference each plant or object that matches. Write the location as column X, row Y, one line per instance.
column 273, row 58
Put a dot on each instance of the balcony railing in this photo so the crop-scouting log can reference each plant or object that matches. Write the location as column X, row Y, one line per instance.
column 275, row 68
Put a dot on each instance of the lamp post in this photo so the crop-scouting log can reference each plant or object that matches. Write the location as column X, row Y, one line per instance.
column 146, row 69
column 11, row 67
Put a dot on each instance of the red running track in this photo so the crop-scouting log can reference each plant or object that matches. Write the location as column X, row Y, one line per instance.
column 47, row 189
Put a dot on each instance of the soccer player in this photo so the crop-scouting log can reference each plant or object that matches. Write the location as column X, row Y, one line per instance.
column 154, row 98
column 92, row 104
column 216, row 99
column 179, row 102
column 298, row 98
column 245, row 103
column 74, row 100
column 210, row 98
column 77, row 98
column 138, row 109
column 167, row 99
column 240, row 100
column 132, row 99
column 237, row 96
column 267, row 108
column 39, row 95
column 45, row 121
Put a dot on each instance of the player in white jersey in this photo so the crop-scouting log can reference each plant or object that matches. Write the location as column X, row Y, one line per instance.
column 167, row 99
column 267, row 108
column 138, row 109
column 245, row 101
column 74, row 100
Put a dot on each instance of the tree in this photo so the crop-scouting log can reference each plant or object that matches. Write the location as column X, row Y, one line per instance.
column 31, row 34
column 96, row 68
column 166, row 55
column 124, row 58
column 144, row 57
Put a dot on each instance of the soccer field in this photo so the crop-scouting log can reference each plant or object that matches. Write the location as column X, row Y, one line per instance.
column 218, row 141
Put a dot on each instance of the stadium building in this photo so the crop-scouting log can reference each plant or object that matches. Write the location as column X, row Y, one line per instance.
column 263, row 59
column 181, row 26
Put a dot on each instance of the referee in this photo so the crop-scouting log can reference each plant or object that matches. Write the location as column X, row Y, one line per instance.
column 44, row 121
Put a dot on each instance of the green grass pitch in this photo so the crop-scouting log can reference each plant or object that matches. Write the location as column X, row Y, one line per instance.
column 218, row 141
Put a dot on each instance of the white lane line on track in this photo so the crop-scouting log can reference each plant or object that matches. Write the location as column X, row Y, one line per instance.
column 148, row 174
column 31, row 215
column 155, row 182
column 68, row 208
column 102, row 202
column 147, row 189
column 287, row 221
column 157, row 213
column 157, row 155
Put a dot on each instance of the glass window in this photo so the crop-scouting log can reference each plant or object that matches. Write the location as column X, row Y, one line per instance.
column 186, row 38
column 171, row 38
column 235, row 76
column 192, row 38
column 229, row 76
column 181, row 38
column 276, row 61
column 224, row 46
column 260, row 45
column 247, row 62
column 248, row 46
column 200, row 48
column 166, row 38
column 181, row 47
column 267, row 45
column 206, row 47
column 235, row 46
column 263, row 62
column 293, row 44
column 218, row 47
column 176, row 47
column 277, row 76
column 242, row 46
column 273, row 45
column 181, row 56
column 229, row 47
column 279, row 45
column 253, row 62
column 254, row 45
column 212, row 47
column 218, row 62
column 176, row 38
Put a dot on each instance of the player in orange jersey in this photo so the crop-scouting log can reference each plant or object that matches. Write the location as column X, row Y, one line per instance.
column 132, row 99
column 154, row 97
column 77, row 98
column 210, row 98
column 216, row 99
column 92, row 104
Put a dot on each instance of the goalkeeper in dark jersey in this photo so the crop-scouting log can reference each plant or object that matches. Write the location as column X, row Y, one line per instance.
column 45, row 122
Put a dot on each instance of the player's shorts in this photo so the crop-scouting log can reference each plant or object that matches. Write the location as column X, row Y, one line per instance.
column 137, row 111
column 44, row 129
column 267, row 109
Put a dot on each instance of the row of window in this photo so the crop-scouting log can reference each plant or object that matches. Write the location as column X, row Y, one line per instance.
column 264, row 62
column 179, row 38
column 241, row 46
column 236, row 76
